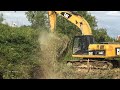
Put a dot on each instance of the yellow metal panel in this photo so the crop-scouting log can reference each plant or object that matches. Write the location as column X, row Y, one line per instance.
column 110, row 49
column 52, row 19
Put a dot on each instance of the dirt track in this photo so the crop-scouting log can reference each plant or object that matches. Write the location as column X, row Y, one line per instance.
column 98, row 74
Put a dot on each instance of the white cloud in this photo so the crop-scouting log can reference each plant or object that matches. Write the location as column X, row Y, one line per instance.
column 17, row 17
column 7, row 14
column 109, row 20
column 105, row 13
column 113, row 13
column 17, row 14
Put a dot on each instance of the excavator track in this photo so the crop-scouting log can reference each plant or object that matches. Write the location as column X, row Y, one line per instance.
column 91, row 64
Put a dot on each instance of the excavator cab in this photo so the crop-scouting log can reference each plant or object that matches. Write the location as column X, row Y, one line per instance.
column 81, row 43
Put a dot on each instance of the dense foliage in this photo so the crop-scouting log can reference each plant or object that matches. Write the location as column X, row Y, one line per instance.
column 18, row 47
column 1, row 18
column 37, row 18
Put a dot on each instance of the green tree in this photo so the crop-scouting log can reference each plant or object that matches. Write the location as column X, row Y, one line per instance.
column 101, row 33
column 37, row 18
column 18, row 48
column 1, row 18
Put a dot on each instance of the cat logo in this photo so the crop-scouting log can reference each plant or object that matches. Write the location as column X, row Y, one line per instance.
column 66, row 15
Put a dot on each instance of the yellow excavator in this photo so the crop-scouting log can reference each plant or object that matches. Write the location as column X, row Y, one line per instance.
column 100, row 56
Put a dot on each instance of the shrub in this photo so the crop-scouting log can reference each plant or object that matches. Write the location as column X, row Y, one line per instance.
column 18, row 48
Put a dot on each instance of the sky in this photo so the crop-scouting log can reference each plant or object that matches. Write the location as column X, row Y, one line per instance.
column 109, row 20
column 17, row 17
column 106, row 19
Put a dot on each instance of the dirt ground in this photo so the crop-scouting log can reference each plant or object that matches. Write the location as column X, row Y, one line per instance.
column 98, row 74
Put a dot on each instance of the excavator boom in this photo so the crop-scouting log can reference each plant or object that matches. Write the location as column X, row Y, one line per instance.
column 52, row 18
column 76, row 19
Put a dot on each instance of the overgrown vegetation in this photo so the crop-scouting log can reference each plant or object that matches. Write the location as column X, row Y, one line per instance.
column 31, row 52
column 18, row 50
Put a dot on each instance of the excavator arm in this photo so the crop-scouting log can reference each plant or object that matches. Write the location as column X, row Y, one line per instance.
column 74, row 18
column 52, row 20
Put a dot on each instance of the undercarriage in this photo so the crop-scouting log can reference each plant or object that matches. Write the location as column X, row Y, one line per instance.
column 94, row 64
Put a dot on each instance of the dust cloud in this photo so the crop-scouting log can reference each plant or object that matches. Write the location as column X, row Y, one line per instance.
column 52, row 47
